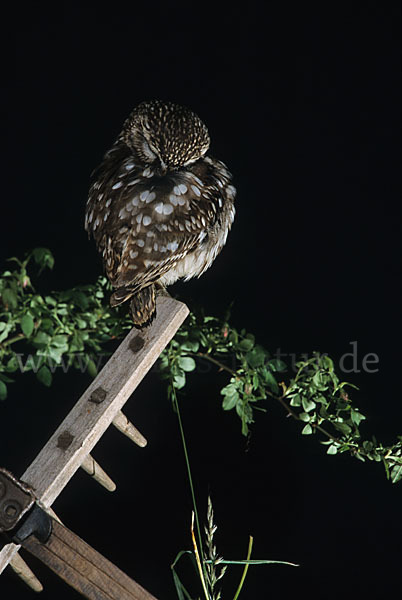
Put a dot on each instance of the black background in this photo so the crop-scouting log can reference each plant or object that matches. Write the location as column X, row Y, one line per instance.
column 302, row 103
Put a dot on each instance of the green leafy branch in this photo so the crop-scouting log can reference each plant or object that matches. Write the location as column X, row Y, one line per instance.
column 40, row 332
column 43, row 332
column 315, row 396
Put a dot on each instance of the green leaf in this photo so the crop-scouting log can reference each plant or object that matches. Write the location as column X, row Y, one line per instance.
column 320, row 380
column 368, row 446
column 179, row 380
column 396, row 473
column 332, row 449
column 3, row 390
column 230, row 401
column 77, row 342
column 41, row 339
column 53, row 353
column 209, row 319
column 12, row 365
column 186, row 363
column 308, row 404
column 307, row 429
column 256, row 381
column 327, row 363
column 244, row 411
column 81, row 324
column 323, row 412
column 43, row 257
column 5, row 332
column 356, row 417
column 92, row 370
column 233, row 337
column 27, row 325
column 59, row 341
column 80, row 299
column 229, row 389
column 190, row 345
column 256, row 356
column 46, row 324
column 360, row 457
column 271, row 381
column 50, row 300
column 342, row 427
column 231, row 396
column 295, row 400
column 304, row 417
column 277, row 365
column 9, row 298
column 246, row 344
column 44, row 375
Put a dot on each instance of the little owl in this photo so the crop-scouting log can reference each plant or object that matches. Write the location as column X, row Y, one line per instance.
column 159, row 208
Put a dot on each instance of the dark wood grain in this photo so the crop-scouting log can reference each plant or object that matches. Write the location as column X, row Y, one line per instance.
column 83, row 568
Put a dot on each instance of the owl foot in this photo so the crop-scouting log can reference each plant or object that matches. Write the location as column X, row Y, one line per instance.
column 161, row 290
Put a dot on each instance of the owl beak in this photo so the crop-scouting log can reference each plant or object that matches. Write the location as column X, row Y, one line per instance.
column 163, row 168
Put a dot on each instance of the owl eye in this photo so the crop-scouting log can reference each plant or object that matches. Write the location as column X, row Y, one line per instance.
column 147, row 151
column 138, row 141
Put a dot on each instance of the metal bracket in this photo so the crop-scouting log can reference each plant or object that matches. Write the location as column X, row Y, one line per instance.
column 20, row 516
column 16, row 499
column 37, row 523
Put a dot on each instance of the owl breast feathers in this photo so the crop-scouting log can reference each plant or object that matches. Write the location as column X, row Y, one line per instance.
column 159, row 209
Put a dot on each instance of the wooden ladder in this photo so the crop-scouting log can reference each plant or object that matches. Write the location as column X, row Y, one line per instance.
column 70, row 445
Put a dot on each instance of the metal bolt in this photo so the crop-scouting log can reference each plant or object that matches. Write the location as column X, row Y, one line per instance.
column 11, row 510
column 136, row 343
column 98, row 395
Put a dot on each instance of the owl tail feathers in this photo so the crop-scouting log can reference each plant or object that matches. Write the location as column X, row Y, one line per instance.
column 142, row 304
column 121, row 295
column 143, row 307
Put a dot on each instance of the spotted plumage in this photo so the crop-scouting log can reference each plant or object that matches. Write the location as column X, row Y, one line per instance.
column 159, row 209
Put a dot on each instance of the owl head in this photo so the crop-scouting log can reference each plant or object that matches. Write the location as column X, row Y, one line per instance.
column 170, row 135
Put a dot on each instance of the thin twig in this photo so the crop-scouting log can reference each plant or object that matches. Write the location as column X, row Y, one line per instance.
column 278, row 398
column 214, row 361
column 16, row 338
column 297, row 418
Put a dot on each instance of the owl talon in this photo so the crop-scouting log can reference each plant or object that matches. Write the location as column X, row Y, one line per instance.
column 162, row 291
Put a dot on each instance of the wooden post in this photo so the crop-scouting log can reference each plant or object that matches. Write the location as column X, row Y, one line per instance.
column 98, row 407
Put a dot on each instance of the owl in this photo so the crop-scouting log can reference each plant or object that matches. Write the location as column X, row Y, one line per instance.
column 159, row 208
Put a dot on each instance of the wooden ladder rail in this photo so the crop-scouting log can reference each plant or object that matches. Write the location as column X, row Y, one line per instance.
column 100, row 405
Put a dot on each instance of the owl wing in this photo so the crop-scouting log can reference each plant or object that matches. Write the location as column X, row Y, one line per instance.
column 144, row 225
